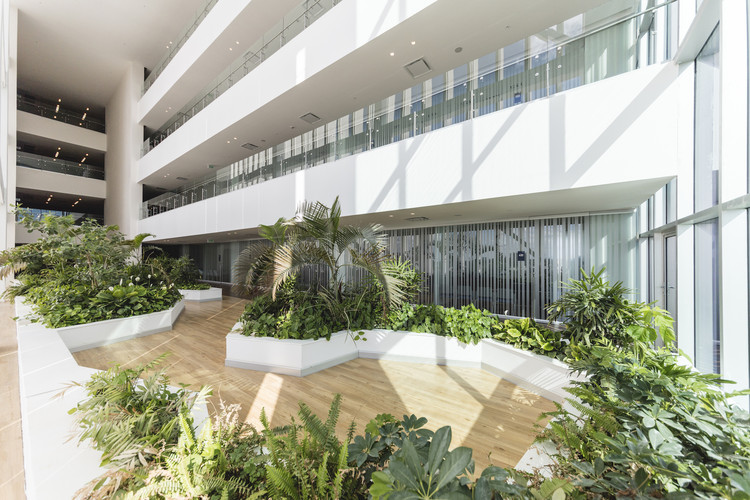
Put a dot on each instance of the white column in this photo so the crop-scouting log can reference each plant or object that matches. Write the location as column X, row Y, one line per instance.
column 124, row 139
column 9, row 68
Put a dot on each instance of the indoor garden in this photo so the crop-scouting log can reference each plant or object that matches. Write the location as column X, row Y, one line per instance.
column 639, row 423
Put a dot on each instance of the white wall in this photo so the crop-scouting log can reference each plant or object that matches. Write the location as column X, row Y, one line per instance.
column 63, row 132
column 620, row 130
column 54, row 182
column 124, row 140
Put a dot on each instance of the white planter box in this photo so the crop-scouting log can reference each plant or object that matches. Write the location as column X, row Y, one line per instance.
column 54, row 465
column 289, row 357
column 418, row 348
column 89, row 335
column 212, row 293
column 542, row 375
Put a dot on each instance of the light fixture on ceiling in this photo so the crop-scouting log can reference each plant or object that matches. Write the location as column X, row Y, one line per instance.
column 57, row 108
column 237, row 42
column 84, row 116
column 413, row 42
column 393, row 54
column 457, row 50
column 57, row 153
column 417, row 219
column 228, row 142
column 250, row 146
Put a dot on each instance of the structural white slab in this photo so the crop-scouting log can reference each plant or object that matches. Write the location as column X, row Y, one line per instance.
column 212, row 293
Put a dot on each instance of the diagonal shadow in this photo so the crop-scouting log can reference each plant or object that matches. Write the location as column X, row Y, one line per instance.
column 560, row 178
column 470, row 166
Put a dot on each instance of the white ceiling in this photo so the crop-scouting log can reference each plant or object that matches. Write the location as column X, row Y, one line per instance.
column 78, row 50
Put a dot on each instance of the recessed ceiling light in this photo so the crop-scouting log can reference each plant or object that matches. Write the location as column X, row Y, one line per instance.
column 393, row 54
column 230, row 48
column 237, row 42
column 458, row 49
column 228, row 142
column 413, row 42
column 235, row 138
column 391, row 216
column 412, row 213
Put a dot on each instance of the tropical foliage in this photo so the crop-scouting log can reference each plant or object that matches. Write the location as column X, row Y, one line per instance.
column 129, row 418
column 82, row 273
column 317, row 245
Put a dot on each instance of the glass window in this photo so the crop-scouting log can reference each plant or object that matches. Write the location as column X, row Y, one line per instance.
column 707, row 124
column 707, row 340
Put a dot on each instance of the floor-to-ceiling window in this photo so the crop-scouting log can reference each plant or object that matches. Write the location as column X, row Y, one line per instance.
column 707, row 119
column 707, row 338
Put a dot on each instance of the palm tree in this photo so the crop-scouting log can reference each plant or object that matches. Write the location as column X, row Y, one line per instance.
column 316, row 237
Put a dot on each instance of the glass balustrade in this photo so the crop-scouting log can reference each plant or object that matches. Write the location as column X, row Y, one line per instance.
column 60, row 166
column 59, row 113
column 173, row 48
column 287, row 28
column 39, row 213
column 637, row 41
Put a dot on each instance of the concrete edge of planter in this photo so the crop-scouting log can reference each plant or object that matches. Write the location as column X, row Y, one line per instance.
column 54, row 465
column 211, row 294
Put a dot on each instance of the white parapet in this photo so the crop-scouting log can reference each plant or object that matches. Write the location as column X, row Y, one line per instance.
column 212, row 293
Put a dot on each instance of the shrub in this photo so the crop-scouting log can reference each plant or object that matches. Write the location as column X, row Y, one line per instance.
column 525, row 334
column 595, row 311
column 130, row 419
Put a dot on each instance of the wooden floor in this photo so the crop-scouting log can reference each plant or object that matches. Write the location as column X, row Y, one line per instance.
column 492, row 416
column 11, row 451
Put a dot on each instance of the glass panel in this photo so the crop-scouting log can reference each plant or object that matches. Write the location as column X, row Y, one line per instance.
column 707, row 109
column 670, row 276
column 707, row 340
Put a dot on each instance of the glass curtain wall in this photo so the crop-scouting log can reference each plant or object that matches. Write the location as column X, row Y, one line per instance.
column 707, row 119
column 511, row 267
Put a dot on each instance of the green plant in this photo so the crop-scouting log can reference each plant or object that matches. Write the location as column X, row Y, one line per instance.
column 308, row 461
column 196, row 468
column 595, row 311
column 525, row 334
column 645, row 424
column 130, row 419
column 468, row 324
column 316, row 237
column 410, row 476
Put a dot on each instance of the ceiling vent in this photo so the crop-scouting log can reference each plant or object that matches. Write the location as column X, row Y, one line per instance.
column 418, row 68
column 417, row 219
column 181, row 178
column 250, row 146
column 310, row 118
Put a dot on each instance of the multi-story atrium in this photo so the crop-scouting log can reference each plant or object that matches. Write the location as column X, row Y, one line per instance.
column 503, row 146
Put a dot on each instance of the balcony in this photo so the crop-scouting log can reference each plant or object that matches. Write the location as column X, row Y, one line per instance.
column 59, row 166
column 579, row 61
column 55, row 111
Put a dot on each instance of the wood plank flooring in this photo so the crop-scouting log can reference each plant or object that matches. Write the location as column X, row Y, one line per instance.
column 11, row 448
column 492, row 416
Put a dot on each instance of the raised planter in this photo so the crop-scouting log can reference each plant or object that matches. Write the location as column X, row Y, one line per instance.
column 89, row 335
column 289, row 357
column 542, row 375
column 212, row 293
column 418, row 348
column 54, row 465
